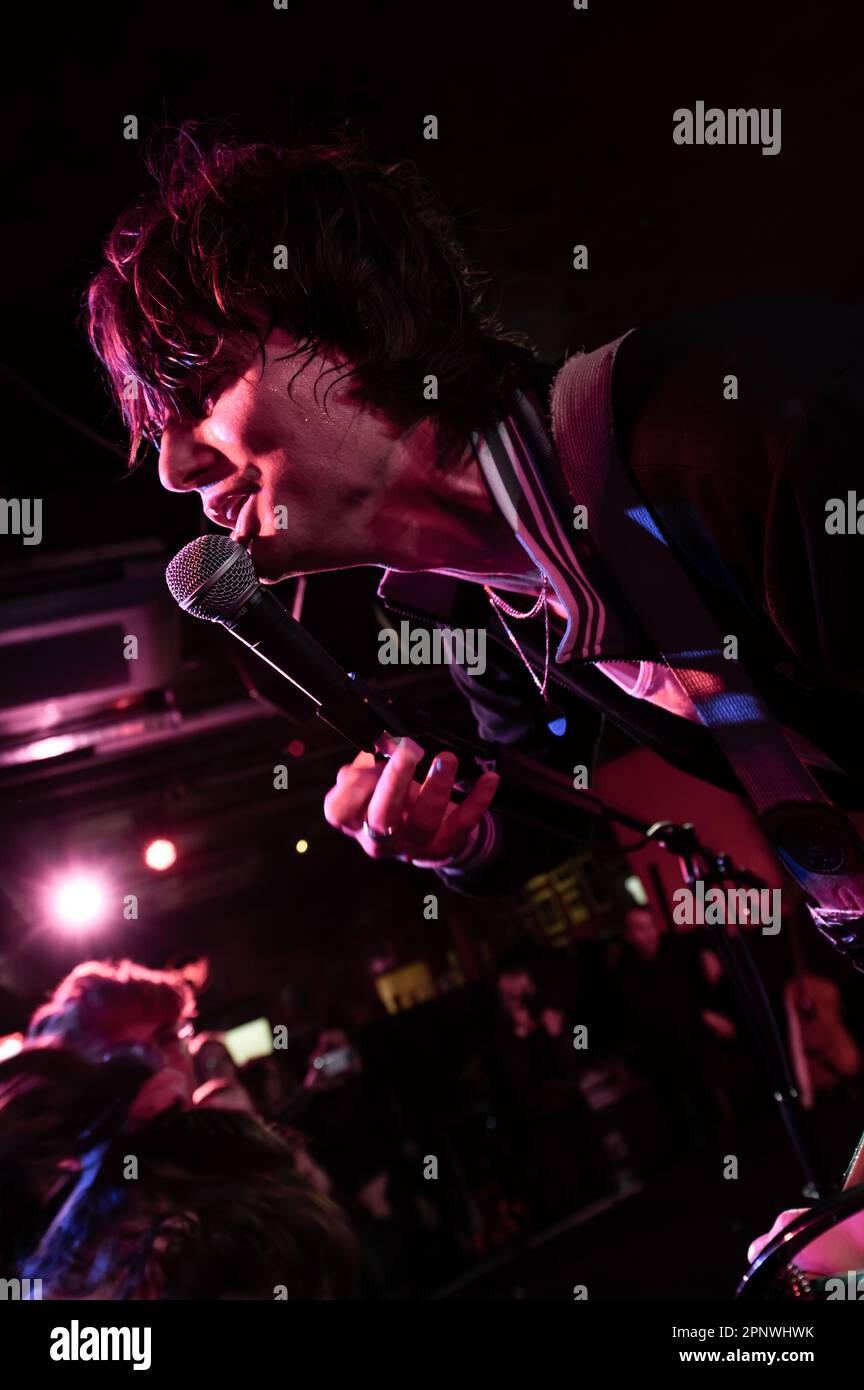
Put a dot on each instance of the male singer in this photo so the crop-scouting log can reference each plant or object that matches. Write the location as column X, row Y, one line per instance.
column 301, row 334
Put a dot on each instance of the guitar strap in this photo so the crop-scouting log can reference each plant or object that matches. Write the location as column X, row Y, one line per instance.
column 811, row 836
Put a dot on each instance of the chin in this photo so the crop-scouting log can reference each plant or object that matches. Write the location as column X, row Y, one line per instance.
column 270, row 567
column 273, row 565
column 272, row 576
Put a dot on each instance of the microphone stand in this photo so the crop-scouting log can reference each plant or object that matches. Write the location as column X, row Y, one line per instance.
column 371, row 721
column 698, row 863
column 531, row 794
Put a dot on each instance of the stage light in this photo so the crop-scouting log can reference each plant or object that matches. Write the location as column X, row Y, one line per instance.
column 160, row 855
column 78, row 900
column 11, row 1045
column 302, row 846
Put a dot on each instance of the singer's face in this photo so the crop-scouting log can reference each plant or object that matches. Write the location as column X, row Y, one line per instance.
column 303, row 485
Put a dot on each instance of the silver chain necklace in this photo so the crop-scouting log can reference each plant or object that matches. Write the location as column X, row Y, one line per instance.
column 542, row 604
column 556, row 720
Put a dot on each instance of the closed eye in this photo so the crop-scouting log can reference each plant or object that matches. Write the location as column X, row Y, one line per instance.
column 197, row 398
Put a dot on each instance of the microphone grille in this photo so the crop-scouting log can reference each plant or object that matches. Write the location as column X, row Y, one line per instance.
column 211, row 577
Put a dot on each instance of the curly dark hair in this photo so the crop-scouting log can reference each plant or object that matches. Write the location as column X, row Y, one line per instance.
column 370, row 271
column 217, row 1210
column 99, row 999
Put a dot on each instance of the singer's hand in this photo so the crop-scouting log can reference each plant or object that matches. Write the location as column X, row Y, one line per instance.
column 428, row 825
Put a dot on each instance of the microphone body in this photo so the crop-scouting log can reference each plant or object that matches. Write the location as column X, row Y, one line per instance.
column 342, row 701
column 213, row 578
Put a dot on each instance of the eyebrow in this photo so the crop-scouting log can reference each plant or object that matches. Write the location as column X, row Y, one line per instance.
column 186, row 395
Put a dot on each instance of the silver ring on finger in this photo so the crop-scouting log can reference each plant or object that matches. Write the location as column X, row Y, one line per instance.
column 379, row 837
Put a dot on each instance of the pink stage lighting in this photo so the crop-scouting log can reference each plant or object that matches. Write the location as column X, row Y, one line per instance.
column 160, row 855
column 78, row 900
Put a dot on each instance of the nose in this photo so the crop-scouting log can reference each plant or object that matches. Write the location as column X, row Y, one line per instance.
column 186, row 462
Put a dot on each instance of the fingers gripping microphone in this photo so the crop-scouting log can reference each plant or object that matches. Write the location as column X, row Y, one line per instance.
column 213, row 578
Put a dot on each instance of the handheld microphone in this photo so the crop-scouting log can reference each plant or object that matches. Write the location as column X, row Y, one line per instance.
column 213, row 578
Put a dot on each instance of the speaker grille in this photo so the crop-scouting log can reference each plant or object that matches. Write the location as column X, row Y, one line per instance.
column 211, row 577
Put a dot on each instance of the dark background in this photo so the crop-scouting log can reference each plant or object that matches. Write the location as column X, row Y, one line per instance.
column 555, row 128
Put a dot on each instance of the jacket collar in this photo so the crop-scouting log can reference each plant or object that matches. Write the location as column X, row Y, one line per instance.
column 524, row 474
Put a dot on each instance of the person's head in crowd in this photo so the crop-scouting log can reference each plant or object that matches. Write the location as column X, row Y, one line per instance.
column 103, row 1012
column 217, row 1208
column 105, row 1009
column 517, row 990
column 519, row 972
column 642, row 933
column 526, row 1006
column 50, row 1096
column 515, row 985
column 518, row 987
